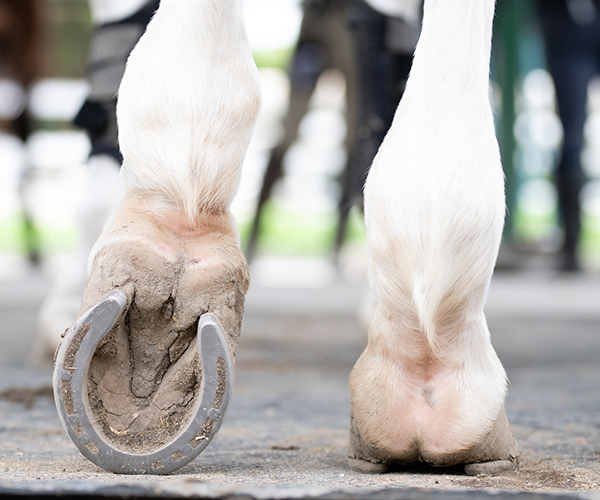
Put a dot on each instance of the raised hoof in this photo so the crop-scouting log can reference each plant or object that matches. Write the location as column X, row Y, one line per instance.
column 71, row 392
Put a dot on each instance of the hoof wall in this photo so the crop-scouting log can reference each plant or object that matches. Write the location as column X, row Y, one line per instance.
column 489, row 468
column 71, row 394
column 367, row 467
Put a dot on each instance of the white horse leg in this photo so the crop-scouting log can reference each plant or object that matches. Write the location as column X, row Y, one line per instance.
column 429, row 386
column 186, row 109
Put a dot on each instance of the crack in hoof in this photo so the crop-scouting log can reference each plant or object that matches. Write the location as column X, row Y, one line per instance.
column 186, row 428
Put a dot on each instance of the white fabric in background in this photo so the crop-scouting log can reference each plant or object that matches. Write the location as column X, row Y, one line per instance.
column 409, row 10
column 109, row 11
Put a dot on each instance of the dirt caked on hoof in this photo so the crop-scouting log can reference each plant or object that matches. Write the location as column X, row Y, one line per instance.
column 145, row 378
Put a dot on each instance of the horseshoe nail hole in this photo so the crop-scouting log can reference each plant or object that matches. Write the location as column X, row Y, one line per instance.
column 178, row 455
column 157, row 465
column 198, row 439
column 66, row 394
column 92, row 447
column 78, row 430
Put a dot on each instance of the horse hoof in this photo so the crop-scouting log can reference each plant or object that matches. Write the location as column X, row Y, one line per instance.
column 490, row 468
column 74, row 407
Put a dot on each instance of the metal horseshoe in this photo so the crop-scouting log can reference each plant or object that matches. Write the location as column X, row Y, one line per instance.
column 71, row 394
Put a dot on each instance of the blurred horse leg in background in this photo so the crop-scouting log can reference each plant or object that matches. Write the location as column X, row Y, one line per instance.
column 323, row 43
column 19, row 67
column 383, row 47
column 374, row 53
column 119, row 25
column 571, row 30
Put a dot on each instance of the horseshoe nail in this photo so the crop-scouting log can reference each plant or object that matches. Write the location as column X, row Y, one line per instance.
column 72, row 402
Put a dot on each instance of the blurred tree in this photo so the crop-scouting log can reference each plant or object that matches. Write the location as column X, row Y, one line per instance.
column 507, row 26
column 66, row 28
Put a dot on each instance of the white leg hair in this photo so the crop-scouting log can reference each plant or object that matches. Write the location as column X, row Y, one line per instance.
column 187, row 106
column 430, row 385
column 186, row 109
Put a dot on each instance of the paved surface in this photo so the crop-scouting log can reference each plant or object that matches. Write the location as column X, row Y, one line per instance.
column 286, row 432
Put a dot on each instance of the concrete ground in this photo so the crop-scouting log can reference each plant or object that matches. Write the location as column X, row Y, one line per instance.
column 287, row 430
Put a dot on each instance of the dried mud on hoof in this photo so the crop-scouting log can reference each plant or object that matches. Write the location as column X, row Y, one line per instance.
column 138, row 392
column 144, row 378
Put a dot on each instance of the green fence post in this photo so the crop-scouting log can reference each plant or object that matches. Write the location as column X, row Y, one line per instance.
column 507, row 69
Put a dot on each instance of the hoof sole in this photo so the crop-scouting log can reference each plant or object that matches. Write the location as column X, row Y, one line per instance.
column 71, row 395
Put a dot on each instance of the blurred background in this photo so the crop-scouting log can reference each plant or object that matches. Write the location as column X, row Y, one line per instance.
column 42, row 177
column 301, row 336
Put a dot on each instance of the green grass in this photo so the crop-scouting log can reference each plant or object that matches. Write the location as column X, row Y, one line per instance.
column 530, row 228
column 276, row 58
column 284, row 232
column 16, row 237
column 590, row 242
column 292, row 232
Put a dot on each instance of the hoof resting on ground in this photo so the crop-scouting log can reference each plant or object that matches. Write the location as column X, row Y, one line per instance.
column 496, row 453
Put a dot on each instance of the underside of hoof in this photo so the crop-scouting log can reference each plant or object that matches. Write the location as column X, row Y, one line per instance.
column 156, row 447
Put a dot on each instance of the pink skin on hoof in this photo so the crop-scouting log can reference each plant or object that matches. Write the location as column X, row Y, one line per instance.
column 412, row 405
